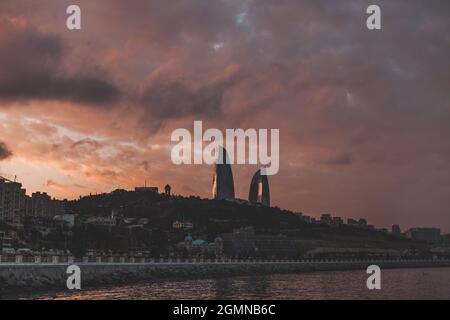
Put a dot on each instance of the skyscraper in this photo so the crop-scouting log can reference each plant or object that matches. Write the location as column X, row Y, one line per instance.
column 259, row 189
column 223, row 184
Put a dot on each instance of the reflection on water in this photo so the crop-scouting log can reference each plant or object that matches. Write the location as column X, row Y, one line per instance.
column 395, row 284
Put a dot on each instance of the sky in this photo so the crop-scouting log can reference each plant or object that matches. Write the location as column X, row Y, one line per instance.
column 363, row 115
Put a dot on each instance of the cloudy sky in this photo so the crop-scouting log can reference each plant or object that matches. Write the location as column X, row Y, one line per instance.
column 364, row 116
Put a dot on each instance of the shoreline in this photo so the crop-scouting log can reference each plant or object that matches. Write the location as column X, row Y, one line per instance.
column 31, row 278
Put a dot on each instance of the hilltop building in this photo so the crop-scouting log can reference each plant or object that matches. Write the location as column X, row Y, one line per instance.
column 146, row 189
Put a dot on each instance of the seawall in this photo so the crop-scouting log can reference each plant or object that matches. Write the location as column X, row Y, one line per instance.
column 35, row 276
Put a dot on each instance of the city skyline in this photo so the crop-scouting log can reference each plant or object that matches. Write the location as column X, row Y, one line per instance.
column 258, row 194
column 363, row 116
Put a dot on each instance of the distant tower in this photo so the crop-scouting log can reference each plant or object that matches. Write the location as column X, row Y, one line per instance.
column 223, row 184
column 259, row 189
column 167, row 189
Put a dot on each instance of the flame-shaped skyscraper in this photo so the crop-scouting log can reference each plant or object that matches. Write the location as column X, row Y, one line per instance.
column 223, row 184
column 259, row 189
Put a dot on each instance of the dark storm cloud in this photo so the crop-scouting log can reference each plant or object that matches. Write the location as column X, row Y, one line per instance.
column 167, row 26
column 175, row 100
column 48, row 86
column 31, row 65
column 165, row 100
column 4, row 151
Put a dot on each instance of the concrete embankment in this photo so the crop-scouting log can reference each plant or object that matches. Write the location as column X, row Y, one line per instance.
column 29, row 276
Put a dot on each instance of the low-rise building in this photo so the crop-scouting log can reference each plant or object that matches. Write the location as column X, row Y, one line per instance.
column 326, row 219
column 43, row 225
column 183, row 225
column 102, row 221
column 5, row 241
column 244, row 242
column 68, row 219
column 429, row 235
column 352, row 253
column 146, row 189
column 362, row 223
column 337, row 222
column 306, row 219
column 396, row 229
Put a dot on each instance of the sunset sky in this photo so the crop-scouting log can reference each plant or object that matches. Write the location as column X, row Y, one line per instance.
column 364, row 116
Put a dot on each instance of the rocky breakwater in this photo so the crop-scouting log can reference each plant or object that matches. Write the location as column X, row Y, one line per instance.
column 31, row 277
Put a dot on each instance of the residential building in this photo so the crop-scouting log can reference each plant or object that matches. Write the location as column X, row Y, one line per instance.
column 12, row 202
